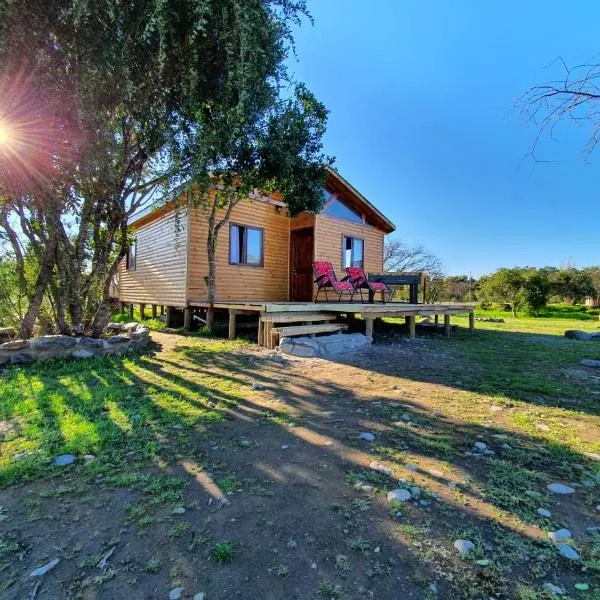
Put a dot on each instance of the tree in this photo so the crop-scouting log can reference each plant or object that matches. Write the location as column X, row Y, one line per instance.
column 506, row 286
column 572, row 285
column 114, row 104
column 575, row 96
column 397, row 256
column 594, row 275
column 536, row 290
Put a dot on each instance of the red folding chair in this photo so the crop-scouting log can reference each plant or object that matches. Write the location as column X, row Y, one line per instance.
column 325, row 278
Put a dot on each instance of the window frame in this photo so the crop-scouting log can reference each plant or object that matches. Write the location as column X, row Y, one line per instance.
column 131, row 261
column 346, row 236
column 244, row 250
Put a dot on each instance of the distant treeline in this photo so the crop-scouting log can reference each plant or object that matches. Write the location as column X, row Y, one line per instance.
column 523, row 288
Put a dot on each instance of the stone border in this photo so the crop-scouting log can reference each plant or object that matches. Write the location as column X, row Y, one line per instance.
column 125, row 338
column 337, row 344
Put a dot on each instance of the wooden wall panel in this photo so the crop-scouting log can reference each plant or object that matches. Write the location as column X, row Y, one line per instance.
column 302, row 220
column 328, row 242
column 239, row 282
column 160, row 275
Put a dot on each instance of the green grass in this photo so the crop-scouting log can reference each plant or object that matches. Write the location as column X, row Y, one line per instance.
column 223, row 552
column 113, row 406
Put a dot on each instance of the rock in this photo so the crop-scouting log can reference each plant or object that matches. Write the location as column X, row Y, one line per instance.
column 199, row 596
column 412, row 467
column 89, row 457
column 363, row 487
column 82, row 353
column 375, row 466
column 588, row 362
column 582, row 587
column 415, row 492
column 63, row 460
column 91, row 343
column 179, row 510
column 114, row 327
column 553, row 589
column 366, row 436
column 587, row 483
column 592, row 530
column 44, row 569
column 256, row 386
column 559, row 488
column 495, row 408
column 336, row 344
column 15, row 345
column 464, row 546
column 544, row 513
column 130, row 326
column 399, row 495
column 423, row 503
column 176, row 593
column 480, row 446
column 21, row 358
column 542, row 427
column 559, row 535
column 577, row 334
column 115, row 340
column 178, row 426
column 51, row 343
column 21, row 455
column 276, row 357
column 406, row 417
column 284, row 446
column 9, row 429
column 437, row 413
column 567, row 552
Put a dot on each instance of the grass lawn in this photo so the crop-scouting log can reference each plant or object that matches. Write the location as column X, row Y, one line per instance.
column 187, row 475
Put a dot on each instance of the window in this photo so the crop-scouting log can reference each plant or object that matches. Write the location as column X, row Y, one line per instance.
column 245, row 245
column 337, row 208
column 132, row 256
column 353, row 252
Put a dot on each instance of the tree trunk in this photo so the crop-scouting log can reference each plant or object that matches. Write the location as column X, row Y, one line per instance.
column 211, row 248
column 41, row 284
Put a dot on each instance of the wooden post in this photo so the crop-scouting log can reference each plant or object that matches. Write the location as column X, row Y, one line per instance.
column 436, row 319
column 232, row 315
column 170, row 311
column 369, row 327
column 471, row 321
column 154, row 311
column 269, row 334
column 122, row 307
column 162, row 310
column 187, row 319
column 447, row 325
column 131, row 312
column 411, row 322
column 142, row 311
column 210, row 318
column 261, row 331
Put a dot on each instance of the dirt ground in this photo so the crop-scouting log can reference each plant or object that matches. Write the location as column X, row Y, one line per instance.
column 287, row 485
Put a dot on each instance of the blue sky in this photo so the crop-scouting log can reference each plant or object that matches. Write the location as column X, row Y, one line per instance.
column 422, row 121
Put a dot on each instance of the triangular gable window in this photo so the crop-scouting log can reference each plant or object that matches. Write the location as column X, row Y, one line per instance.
column 335, row 207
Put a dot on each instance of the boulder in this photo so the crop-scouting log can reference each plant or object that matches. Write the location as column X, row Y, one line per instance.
column 15, row 345
column 82, row 353
column 576, row 334
column 91, row 343
column 21, row 358
column 130, row 326
column 116, row 340
column 114, row 327
column 588, row 362
column 52, row 342
column 337, row 344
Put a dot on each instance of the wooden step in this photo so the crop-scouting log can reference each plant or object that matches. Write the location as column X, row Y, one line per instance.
column 300, row 317
column 309, row 329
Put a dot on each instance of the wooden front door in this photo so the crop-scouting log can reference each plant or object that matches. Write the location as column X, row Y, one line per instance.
column 301, row 257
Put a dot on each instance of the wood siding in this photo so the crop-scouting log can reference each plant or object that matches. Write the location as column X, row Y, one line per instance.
column 242, row 282
column 160, row 274
column 328, row 243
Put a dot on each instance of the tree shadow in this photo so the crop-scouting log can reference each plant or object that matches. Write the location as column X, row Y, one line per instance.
column 308, row 491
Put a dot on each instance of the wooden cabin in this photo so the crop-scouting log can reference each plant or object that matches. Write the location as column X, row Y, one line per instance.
column 262, row 253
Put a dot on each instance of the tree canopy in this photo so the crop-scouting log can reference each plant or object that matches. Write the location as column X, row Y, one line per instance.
column 107, row 106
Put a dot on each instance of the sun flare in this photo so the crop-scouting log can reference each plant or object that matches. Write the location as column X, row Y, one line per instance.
column 6, row 134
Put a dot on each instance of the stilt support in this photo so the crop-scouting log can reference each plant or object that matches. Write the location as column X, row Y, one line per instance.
column 154, row 311
column 447, row 325
column 369, row 327
column 471, row 321
column 142, row 312
column 411, row 322
column 170, row 311
column 232, row 316
column 131, row 312
column 187, row 319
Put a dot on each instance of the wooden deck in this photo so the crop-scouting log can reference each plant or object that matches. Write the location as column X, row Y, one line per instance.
column 309, row 313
